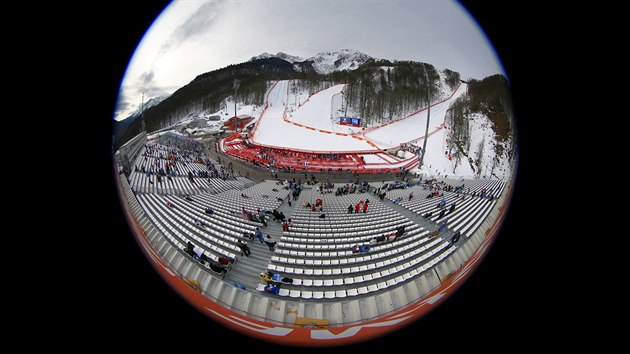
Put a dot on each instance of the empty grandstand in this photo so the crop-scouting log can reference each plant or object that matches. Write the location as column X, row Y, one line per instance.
column 365, row 258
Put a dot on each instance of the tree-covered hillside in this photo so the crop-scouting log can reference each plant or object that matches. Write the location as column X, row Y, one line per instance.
column 378, row 91
column 491, row 98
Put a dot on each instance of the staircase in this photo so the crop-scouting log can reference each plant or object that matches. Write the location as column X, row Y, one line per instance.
column 247, row 269
column 427, row 224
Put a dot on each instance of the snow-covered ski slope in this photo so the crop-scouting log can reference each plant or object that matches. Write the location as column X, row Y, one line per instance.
column 311, row 128
column 412, row 128
column 274, row 131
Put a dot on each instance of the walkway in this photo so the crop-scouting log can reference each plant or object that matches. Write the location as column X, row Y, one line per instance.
column 247, row 269
column 426, row 224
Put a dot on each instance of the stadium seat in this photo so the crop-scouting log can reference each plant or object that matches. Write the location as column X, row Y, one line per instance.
column 340, row 293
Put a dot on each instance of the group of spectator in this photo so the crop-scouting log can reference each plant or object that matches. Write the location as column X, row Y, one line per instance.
column 221, row 265
column 361, row 205
column 273, row 282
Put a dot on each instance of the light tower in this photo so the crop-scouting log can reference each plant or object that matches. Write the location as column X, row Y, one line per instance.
column 236, row 84
column 426, row 131
column 142, row 114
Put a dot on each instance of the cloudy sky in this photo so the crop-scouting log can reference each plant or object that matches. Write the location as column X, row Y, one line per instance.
column 193, row 37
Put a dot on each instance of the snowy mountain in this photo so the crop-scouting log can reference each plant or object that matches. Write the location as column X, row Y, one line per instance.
column 345, row 59
column 290, row 58
column 150, row 103
column 322, row 63
column 120, row 127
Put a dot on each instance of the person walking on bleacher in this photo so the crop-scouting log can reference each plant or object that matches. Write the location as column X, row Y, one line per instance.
column 271, row 243
column 243, row 246
column 442, row 225
column 455, row 238
column 259, row 235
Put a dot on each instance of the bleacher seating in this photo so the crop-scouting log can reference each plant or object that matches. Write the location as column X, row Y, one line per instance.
column 316, row 253
column 181, row 164
column 470, row 208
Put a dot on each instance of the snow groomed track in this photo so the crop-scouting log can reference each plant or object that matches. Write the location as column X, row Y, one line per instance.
column 310, row 128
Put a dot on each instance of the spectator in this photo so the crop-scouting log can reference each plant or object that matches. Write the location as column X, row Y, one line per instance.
column 285, row 226
column 272, row 289
column 410, row 195
column 441, row 215
column 216, row 267
column 356, row 208
column 266, row 277
column 350, row 209
column 322, row 216
column 271, row 243
column 209, row 211
column 451, row 209
column 261, row 217
column 365, row 207
column 243, row 246
column 259, row 235
column 189, row 249
column 455, row 238
column 442, row 225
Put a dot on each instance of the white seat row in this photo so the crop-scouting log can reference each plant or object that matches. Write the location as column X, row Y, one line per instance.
column 361, row 262
column 398, row 278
